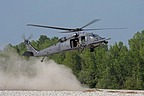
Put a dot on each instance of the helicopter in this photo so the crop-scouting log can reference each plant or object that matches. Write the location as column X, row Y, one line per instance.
column 78, row 40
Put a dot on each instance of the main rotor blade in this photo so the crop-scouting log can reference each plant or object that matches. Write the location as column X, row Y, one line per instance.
column 93, row 21
column 59, row 28
column 102, row 29
column 91, row 29
column 67, row 31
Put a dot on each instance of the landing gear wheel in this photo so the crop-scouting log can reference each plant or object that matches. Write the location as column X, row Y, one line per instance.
column 43, row 59
column 92, row 49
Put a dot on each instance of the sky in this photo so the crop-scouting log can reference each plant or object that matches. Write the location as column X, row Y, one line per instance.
column 16, row 14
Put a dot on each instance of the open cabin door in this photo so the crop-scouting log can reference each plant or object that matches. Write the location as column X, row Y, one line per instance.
column 76, row 42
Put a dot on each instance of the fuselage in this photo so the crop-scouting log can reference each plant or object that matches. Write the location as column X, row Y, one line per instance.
column 72, row 42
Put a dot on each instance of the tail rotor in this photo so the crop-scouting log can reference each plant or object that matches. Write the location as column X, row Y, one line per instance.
column 26, row 40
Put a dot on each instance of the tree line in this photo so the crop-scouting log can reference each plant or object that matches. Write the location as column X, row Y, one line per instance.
column 116, row 67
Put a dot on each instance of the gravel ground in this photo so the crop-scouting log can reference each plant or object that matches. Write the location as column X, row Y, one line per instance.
column 100, row 92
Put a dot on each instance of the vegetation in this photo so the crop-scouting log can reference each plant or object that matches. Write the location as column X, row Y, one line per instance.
column 116, row 67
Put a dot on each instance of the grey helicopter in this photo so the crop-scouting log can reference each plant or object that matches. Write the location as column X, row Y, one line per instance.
column 78, row 40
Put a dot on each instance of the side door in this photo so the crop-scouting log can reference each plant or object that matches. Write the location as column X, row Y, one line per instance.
column 74, row 43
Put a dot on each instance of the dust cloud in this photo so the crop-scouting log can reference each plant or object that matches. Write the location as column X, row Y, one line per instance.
column 17, row 73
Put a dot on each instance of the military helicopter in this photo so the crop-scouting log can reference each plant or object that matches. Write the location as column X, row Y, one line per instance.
column 78, row 40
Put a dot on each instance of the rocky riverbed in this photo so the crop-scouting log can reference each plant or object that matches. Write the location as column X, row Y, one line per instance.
column 99, row 92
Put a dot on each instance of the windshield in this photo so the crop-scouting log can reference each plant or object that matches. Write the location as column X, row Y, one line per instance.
column 94, row 36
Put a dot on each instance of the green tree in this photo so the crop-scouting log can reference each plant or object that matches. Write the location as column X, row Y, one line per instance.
column 136, row 78
column 73, row 60
column 88, row 73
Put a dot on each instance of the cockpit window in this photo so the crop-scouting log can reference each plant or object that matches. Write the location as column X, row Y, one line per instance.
column 94, row 36
column 91, row 37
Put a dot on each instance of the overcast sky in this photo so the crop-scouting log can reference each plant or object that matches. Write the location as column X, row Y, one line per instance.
column 15, row 14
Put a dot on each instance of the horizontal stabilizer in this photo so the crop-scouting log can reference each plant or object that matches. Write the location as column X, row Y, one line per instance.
column 28, row 53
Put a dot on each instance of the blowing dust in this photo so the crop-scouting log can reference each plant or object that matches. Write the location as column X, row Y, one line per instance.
column 18, row 74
